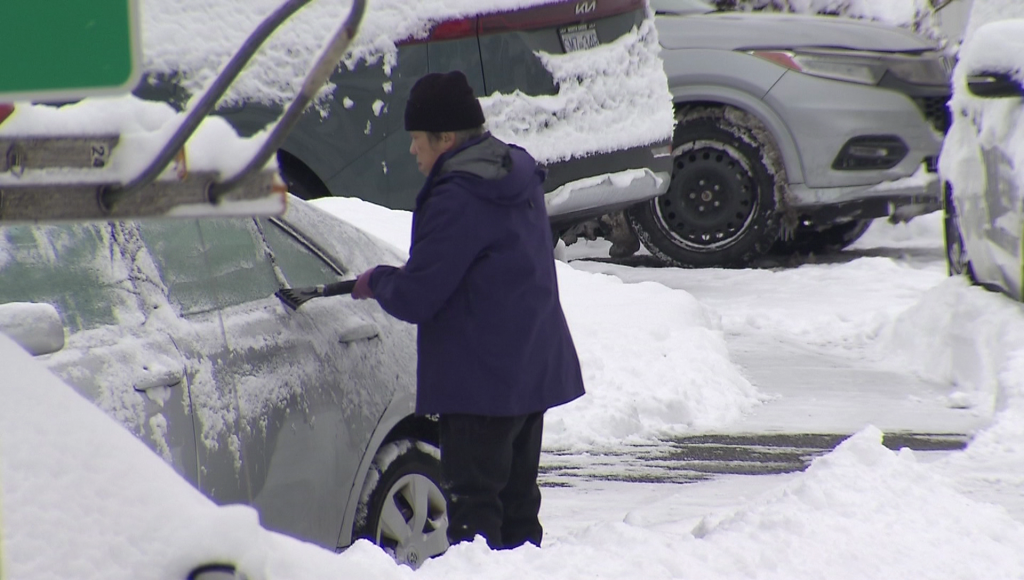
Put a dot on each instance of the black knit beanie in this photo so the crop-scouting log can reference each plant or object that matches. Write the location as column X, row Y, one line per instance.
column 442, row 102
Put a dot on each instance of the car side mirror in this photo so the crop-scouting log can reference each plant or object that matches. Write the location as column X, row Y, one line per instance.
column 37, row 328
column 994, row 86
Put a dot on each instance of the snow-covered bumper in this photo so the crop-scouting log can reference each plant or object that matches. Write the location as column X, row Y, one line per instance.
column 899, row 199
column 591, row 197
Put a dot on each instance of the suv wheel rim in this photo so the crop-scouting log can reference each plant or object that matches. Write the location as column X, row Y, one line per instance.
column 712, row 198
column 414, row 520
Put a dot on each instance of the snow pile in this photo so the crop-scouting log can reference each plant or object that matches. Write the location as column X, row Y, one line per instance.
column 76, row 486
column 973, row 339
column 864, row 511
column 860, row 512
column 654, row 363
column 922, row 232
column 800, row 303
column 961, row 335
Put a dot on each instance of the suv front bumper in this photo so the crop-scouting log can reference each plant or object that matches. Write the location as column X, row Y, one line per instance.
column 900, row 199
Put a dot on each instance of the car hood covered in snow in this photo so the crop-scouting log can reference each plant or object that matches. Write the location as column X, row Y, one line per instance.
column 731, row 31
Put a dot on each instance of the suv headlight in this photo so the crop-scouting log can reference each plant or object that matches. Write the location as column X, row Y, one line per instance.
column 861, row 67
column 924, row 69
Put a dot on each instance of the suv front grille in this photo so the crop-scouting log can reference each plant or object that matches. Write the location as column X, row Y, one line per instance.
column 936, row 111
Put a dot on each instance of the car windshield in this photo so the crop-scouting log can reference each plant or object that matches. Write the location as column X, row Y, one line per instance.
column 682, row 6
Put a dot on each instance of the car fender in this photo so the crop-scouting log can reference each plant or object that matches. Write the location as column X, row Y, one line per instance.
column 402, row 406
column 695, row 76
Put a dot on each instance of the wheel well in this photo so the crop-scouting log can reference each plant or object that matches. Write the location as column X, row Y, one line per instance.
column 415, row 427
column 684, row 105
column 301, row 180
column 764, row 116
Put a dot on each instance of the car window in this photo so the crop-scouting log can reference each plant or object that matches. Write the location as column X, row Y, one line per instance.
column 210, row 264
column 176, row 249
column 240, row 265
column 76, row 268
column 299, row 262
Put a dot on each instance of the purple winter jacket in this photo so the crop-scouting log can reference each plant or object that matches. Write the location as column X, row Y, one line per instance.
column 480, row 284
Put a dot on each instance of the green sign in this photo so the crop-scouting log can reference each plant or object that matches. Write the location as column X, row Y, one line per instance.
column 55, row 50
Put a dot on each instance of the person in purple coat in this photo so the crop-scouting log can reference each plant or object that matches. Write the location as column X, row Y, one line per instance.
column 494, row 349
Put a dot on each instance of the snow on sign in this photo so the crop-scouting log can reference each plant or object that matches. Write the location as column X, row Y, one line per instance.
column 68, row 49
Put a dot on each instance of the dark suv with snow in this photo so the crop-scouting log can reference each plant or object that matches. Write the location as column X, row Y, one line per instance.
column 563, row 79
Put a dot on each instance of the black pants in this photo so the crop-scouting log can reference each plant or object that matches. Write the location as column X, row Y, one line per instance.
column 489, row 474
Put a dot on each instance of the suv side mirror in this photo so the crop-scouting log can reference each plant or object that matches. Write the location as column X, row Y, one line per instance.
column 36, row 328
column 994, row 86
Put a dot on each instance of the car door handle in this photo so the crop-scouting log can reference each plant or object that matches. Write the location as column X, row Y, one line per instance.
column 168, row 378
column 359, row 332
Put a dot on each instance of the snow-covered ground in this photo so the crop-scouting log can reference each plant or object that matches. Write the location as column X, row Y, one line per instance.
column 82, row 498
column 661, row 350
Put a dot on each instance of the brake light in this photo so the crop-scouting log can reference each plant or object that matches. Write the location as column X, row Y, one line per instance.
column 453, row 29
column 448, row 30
column 557, row 14
column 5, row 111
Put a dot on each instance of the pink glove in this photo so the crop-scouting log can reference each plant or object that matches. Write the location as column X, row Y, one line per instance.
column 362, row 289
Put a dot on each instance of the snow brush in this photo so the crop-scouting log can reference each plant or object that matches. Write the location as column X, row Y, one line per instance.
column 295, row 297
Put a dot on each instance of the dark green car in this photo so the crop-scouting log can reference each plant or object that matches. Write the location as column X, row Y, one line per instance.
column 545, row 85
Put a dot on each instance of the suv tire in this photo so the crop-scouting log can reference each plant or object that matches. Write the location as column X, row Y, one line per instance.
column 402, row 508
column 720, row 208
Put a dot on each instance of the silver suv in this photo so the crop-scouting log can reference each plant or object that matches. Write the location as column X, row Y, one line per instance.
column 793, row 132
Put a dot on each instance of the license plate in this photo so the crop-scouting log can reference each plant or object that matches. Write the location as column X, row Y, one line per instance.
column 579, row 37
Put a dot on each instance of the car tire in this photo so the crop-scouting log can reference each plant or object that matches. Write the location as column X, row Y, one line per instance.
column 720, row 208
column 957, row 261
column 402, row 508
column 830, row 239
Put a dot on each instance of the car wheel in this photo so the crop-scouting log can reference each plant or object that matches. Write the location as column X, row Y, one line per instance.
column 720, row 207
column 403, row 509
column 806, row 240
column 957, row 262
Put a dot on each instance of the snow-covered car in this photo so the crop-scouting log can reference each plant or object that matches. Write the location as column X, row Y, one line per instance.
column 794, row 132
column 983, row 159
column 576, row 83
column 172, row 327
